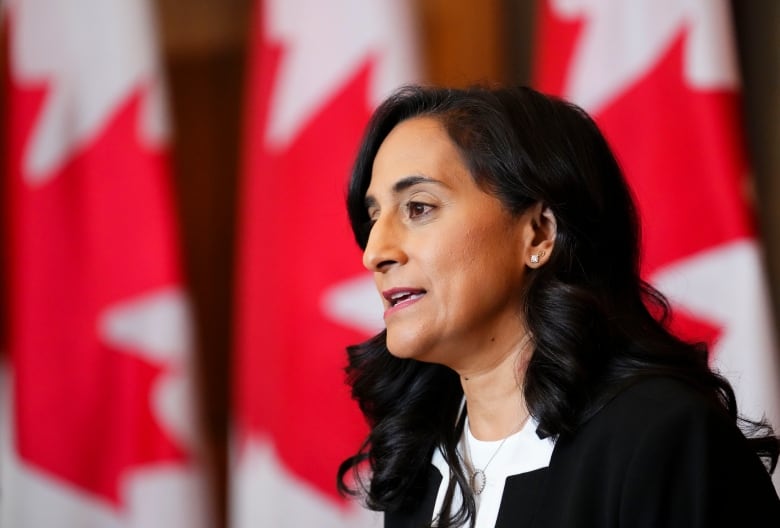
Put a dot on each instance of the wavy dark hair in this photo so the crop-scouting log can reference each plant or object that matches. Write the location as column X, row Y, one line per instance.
column 596, row 325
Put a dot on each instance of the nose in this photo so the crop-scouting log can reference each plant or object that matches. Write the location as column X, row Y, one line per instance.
column 384, row 246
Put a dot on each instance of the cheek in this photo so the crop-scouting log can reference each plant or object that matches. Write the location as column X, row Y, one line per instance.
column 483, row 250
column 485, row 264
column 449, row 262
column 456, row 268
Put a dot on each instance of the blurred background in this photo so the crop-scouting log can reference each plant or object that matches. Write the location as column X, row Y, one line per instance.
column 208, row 62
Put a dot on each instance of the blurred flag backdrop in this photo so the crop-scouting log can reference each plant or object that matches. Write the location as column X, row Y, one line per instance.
column 661, row 79
column 97, row 426
column 316, row 71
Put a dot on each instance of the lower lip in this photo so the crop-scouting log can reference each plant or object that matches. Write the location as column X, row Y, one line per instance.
column 400, row 306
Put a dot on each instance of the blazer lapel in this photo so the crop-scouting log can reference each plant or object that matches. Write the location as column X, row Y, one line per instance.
column 423, row 513
column 522, row 494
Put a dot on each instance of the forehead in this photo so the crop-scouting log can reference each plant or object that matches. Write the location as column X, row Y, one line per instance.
column 418, row 146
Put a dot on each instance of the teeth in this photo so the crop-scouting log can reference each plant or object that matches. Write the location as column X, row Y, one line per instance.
column 399, row 297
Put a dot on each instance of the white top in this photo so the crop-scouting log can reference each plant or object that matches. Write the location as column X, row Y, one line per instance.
column 522, row 452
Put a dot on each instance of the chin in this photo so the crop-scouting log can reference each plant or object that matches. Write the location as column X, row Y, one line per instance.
column 400, row 352
column 403, row 348
column 411, row 348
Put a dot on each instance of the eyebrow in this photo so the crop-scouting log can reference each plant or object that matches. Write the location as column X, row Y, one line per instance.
column 403, row 184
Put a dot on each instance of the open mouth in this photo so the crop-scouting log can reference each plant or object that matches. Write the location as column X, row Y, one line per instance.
column 398, row 297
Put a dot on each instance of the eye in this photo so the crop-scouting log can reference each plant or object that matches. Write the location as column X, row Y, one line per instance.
column 417, row 209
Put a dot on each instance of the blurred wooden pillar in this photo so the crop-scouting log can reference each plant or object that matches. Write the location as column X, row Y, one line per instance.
column 204, row 49
column 464, row 42
column 758, row 44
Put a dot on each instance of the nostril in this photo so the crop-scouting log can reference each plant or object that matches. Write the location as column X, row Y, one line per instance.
column 385, row 264
column 376, row 262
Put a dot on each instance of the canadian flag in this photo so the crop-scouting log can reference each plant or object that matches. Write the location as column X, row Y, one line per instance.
column 317, row 70
column 97, row 428
column 660, row 78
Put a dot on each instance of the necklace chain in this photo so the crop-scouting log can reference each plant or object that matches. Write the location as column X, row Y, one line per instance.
column 478, row 480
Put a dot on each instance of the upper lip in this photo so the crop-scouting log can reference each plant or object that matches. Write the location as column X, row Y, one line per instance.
column 394, row 295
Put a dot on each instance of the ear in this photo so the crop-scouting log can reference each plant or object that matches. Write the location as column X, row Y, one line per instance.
column 540, row 235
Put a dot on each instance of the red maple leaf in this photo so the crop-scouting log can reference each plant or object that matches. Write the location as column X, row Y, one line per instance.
column 297, row 243
column 683, row 156
column 95, row 233
column 680, row 150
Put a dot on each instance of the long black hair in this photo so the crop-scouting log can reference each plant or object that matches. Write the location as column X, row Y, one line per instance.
column 596, row 325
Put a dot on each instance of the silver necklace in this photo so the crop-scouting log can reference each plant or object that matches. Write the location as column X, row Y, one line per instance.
column 478, row 480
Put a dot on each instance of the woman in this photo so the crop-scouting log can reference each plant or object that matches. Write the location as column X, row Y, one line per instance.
column 525, row 376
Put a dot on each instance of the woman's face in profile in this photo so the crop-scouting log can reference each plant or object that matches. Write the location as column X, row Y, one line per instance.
column 448, row 259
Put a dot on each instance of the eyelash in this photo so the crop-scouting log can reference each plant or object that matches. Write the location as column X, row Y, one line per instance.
column 410, row 206
column 409, row 209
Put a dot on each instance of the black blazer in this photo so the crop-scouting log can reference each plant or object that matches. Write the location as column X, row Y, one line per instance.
column 657, row 455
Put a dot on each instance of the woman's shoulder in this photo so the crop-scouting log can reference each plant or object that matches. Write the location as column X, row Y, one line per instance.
column 661, row 441
column 656, row 413
column 653, row 400
column 658, row 398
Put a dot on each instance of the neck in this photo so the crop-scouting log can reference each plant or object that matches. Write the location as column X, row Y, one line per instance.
column 494, row 396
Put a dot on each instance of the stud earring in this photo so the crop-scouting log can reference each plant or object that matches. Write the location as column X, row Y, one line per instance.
column 535, row 258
